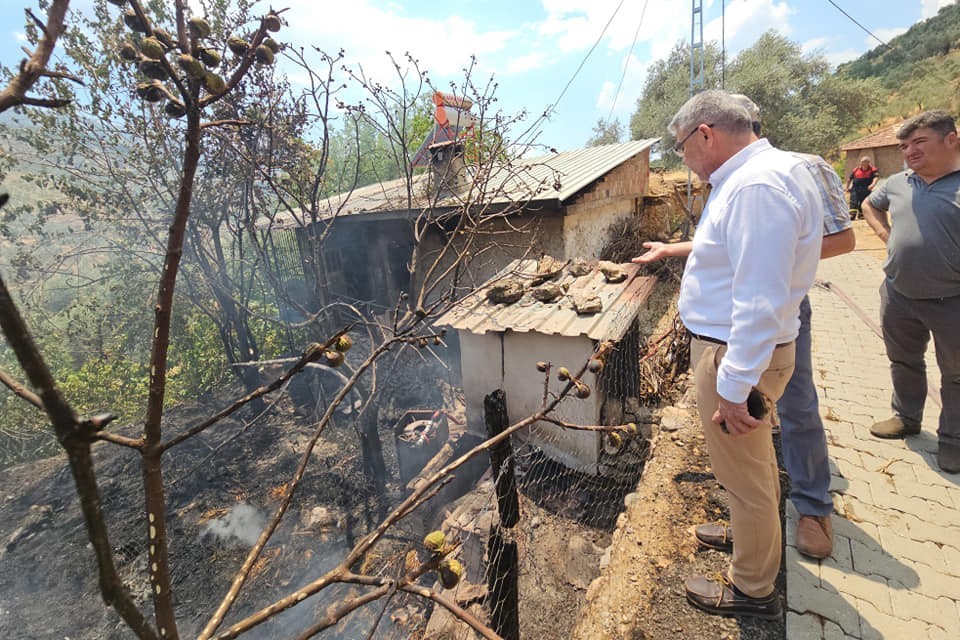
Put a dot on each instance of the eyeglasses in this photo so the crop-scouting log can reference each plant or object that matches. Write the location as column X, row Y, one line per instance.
column 678, row 148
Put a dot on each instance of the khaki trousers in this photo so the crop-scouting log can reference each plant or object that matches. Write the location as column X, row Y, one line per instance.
column 746, row 466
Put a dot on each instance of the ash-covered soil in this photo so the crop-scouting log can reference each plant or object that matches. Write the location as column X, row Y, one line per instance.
column 221, row 488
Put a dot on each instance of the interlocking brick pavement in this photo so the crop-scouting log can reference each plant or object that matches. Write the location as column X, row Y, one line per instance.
column 895, row 568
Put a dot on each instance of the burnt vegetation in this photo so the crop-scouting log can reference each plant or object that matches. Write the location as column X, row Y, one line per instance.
column 226, row 442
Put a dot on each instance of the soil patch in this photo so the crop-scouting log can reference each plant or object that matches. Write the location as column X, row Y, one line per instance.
column 639, row 595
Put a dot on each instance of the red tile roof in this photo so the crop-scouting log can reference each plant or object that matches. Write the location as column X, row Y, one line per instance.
column 884, row 137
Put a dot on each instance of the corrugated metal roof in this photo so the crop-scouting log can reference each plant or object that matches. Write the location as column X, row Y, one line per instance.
column 577, row 169
column 621, row 303
column 885, row 137
column 557, row 176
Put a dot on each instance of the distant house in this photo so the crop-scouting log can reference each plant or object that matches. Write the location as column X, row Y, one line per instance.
column 881, row 146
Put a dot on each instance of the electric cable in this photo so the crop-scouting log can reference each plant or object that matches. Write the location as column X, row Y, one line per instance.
column 636, row 34
column 867, row 31
column 550, row 108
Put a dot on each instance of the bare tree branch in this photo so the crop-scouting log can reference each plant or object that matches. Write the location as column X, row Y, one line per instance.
column 15, row 93
column 21, row 390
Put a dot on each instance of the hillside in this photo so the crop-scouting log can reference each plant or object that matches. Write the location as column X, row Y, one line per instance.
column 908, row 53
column 917, row 70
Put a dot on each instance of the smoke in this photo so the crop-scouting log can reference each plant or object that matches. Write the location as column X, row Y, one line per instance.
column 243, row 523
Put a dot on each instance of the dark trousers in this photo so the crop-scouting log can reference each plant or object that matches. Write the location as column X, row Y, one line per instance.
column 908, row 324
column 857, row 196
column 801, row 430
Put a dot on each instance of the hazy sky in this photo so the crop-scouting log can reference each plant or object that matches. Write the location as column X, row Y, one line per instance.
column 534, row 48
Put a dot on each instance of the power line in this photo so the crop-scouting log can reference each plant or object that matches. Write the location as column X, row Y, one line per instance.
column 933, row 70
column 636, row 34
column 851, row 18
column 585, row 57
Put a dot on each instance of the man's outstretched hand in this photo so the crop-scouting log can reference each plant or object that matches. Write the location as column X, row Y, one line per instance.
column 657, row 251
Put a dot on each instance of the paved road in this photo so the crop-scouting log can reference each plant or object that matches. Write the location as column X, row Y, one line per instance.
column 895, row 568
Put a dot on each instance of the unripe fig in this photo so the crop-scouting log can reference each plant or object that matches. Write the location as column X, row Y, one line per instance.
column 174, row 109
column 164, row 37
column 237, row 45
column 214, row 83
column 132, row 20
column 210, row 57
column 152, row 48
column 128, row 52
column 264, row 54
column 272, row 44
column 191, row 66
column 151, row 91
column 343, row 343
column 272, row 22
column 451, row 571
column 153, row 69
column 333, row 358
column 435, row 541
column 199, row 28
column 614, row 440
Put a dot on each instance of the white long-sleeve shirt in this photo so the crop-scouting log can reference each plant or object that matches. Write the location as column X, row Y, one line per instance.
column 754, row 257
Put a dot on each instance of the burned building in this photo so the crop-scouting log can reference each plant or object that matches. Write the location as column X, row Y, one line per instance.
column 563, row 203
column 502, row 344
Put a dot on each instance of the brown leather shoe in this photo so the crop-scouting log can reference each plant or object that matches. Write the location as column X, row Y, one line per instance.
column 895, row 427
column 721, row 597
column 716, row 535
column 815, row 536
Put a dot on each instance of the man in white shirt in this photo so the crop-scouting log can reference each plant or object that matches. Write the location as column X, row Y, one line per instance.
column 754, row 256
column 804, row 442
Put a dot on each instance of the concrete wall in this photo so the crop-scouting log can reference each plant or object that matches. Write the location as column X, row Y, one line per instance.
column 508, row 361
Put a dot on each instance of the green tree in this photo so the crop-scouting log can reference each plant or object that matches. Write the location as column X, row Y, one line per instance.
column 803, row 106
column 605, row 132
column 666, row 88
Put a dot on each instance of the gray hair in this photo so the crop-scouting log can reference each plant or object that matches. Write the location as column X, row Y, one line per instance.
column 717, row 108
column 940, row 121
column 748, row 104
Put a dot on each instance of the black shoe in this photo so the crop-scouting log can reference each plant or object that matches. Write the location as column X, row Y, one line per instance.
column 716, row 535
column 948, row 457
column 721, row 597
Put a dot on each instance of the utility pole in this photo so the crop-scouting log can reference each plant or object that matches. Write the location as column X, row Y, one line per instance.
column 696, row 85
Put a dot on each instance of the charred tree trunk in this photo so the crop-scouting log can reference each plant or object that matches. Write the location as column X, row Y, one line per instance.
column 502, row 568
column 503, row 592
column 371, row 448
column 501, row 458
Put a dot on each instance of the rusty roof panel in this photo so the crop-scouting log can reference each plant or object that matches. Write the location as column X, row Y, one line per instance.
column 621, row 303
